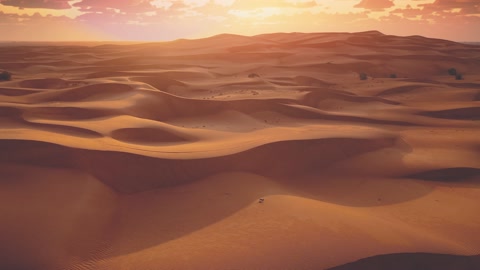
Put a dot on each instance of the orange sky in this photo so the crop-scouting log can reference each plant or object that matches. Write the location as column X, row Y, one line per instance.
column 148, row 20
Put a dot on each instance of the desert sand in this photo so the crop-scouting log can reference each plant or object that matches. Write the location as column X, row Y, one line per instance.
column 155, row 155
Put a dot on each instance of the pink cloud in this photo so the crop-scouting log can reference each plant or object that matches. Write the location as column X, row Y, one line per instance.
column 375, row 4
column 51, row 4
column 466, row 7
column 133, row 6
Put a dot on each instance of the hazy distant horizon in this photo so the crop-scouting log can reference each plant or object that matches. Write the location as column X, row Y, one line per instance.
column 127, row 42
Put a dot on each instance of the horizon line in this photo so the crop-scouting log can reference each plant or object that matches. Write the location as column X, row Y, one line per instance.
column 226, row 33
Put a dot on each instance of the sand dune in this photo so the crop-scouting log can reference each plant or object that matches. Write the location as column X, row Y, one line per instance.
column 154, row 155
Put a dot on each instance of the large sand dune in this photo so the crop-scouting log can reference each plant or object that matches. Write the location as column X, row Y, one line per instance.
column 154, row 156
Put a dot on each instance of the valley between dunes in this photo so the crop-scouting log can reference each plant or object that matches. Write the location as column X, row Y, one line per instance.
column 155, row 155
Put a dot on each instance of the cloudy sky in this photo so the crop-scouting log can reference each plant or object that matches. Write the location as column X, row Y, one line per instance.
column 147, row 20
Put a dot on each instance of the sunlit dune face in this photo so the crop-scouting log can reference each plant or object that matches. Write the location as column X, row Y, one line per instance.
column 172, row 19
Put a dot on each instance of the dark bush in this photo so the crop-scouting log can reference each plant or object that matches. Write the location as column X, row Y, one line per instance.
column 459, row 77
column 5, row 76
column 253, row 75
column 393, row 76
column 452, row 71
column 363, row 76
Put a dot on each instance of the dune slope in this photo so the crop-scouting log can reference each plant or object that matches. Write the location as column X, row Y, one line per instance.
column 155, row 155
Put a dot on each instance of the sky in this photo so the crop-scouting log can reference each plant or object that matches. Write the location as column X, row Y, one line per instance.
column 160, row 20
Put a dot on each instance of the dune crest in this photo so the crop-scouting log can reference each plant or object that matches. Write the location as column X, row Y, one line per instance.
column 156, row 155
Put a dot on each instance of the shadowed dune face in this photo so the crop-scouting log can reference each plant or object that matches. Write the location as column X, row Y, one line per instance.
column 146, row 135
column 47, row 216
column 117, row 169
column 472, row 113
column 449, row 174
column 414, row 261
column 155, row 155
column 52, row 83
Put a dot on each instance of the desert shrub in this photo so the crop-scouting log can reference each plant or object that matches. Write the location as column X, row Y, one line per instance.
column 363, row 76
column 5, row 76
column 253, row 75
column 452, row 71
column 459, row 77
column 393, row 75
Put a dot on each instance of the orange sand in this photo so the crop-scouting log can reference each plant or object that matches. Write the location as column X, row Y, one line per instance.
column 154, row 156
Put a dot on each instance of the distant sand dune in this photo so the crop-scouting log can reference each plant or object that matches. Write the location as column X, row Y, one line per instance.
column 156, row 155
